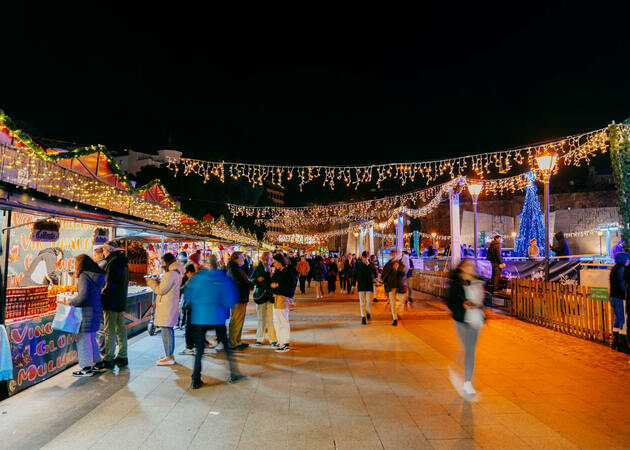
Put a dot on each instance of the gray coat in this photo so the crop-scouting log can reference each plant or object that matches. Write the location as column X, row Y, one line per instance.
column 89, row 300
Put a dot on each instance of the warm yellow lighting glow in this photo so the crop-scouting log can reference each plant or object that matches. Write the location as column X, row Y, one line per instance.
column 434, row 234
column 513, row 234
column 475, row 189
column 546, row 163
column 382, row 225
column 356, row 234
column 600, row 233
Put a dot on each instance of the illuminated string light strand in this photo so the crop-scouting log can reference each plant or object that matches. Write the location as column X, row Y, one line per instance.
column 571, row 150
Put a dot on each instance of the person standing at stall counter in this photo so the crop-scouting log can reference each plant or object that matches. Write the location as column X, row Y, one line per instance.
column 114, row 299
column 283, row 282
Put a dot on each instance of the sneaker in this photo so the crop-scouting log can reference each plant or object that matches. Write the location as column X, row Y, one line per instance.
column 274, row 344
column 107, row 365
column 282, row 348
column 102, row 366
column 188, row 351
column 469, row 389
column 211, row 344
column 85, row 372
column 219, row 347
column 96, row 370
column 196, row 384
column 395, row 324
column 369, row 316
column 235, row 378
column 257, row 344
column 121, row 362
column 363, row 321
column 166, row 361
column 244, row 344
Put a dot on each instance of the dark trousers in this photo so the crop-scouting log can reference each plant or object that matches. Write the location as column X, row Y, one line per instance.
column 199, row 336
column 302, row 284
column 496, row 276
column 309, row 279
column 332, row 285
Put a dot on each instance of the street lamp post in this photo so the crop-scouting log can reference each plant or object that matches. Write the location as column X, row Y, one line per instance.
column 546, row 164
column 356, row 243
column 600, row 234
column 434, row 235
column 475, row 189
column 382, row 227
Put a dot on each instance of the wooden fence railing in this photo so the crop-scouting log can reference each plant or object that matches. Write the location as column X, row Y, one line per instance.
column 431, row 282
column 565, row 308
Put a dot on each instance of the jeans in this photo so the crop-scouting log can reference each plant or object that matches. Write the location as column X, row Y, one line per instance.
column 168, row 340
column 619, row 311
column 237, row 319
column 468, row 335
column 393, row 296
column 342, row 282
column 199, row 337
column 281, row 320
column 87, row 348
column 302, row 284
column 265, row 323
column 364, row 302
column 114, row 326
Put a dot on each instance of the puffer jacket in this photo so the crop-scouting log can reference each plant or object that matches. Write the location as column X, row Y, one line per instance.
column 210, row 294
column 89, row 288
column 364, row 275
column 114, row 296
column 167, row 290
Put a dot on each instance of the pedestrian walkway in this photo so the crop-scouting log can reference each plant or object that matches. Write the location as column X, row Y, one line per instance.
column 343, row 386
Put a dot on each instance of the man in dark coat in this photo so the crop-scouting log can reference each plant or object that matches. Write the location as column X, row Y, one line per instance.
column 562, row 246
column 244, row 286
column 114, row 299
column 494, row 257
column 393, row 274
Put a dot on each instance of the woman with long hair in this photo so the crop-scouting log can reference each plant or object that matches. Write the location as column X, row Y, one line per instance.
column 90, row 281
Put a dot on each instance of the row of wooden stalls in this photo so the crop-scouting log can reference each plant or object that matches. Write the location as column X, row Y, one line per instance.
column 36, row 272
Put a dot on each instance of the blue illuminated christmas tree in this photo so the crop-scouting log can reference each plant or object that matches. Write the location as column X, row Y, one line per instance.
column 532, row 225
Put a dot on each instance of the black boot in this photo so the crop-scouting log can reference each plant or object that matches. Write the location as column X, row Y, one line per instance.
column 623, row 344
column 615, row 342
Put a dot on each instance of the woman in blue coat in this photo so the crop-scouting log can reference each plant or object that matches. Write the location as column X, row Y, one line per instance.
column 90, row 284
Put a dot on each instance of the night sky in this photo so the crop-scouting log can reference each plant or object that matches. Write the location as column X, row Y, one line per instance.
column 314, row 85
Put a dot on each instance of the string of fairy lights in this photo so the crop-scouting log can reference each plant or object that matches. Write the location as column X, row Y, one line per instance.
column 571, row 150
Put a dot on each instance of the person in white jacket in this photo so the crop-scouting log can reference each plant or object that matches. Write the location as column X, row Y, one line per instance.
column 167, row 305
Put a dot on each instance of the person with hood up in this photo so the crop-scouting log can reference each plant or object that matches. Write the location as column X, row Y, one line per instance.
column 393, row 274
column 114, row 300
column 364, row 274
column 619, row 275
column 90, row 283
column 209, row 295
column 244, row 286
column 283, row 283
column 562, row 246
column 167, row 305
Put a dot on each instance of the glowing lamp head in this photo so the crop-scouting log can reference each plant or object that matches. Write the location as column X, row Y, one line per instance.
column 546, row 163
column 434, row 234
column 600, row 233
column 356, row 234
column 382, row 225
column 513, row 234
column 475, row 189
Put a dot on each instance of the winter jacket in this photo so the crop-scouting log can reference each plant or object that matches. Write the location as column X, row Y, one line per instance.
column 114, row 295
column 242, row 281
column 333, row 270
column 210, row 294
column 617, row 282
column 287, row 281
column 167, row 290
column 263, row 292
column 494, row 253
column 562, row 247
column 364, row 275
column 89, row 288
column 302, row 268
column 393, row 279
column 319, row 271
column 456, row 297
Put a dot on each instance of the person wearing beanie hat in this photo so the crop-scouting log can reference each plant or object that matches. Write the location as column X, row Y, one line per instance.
column 283, row 283
column 618, row 278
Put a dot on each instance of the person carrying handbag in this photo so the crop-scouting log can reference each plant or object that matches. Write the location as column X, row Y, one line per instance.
column 263, row 297
column 90, row 283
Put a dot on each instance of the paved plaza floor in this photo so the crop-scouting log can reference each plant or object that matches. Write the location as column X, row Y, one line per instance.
column 343, row 386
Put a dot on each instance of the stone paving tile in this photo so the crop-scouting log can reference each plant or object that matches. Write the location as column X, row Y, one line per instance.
column 350, row 386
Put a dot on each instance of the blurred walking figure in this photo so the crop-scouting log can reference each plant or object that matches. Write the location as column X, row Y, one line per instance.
column 283, row 283
column 407, row 262
column 263, row 297
column 465, row 300
column 319, row 275
column 364, row 274
column 333, row 271
column 343, row 280
column 209, row 295
column 302, row 269
column 393, row 274
column 167, row 305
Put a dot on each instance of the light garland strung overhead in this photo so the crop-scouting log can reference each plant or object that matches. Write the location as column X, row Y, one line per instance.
column 572, row 150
